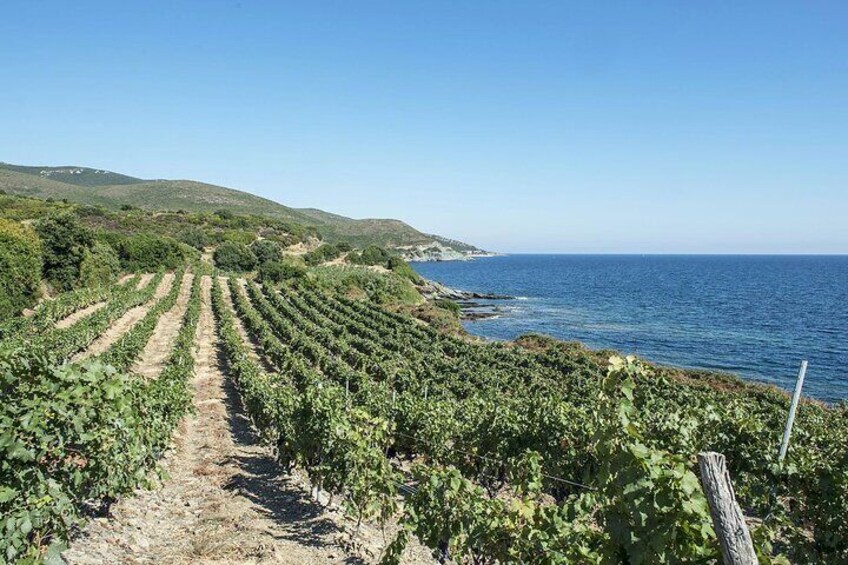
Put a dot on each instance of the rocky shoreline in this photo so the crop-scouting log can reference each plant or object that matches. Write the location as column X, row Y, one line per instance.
column 470, row 308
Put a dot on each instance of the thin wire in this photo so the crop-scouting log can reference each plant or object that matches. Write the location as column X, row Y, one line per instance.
column 490, row 460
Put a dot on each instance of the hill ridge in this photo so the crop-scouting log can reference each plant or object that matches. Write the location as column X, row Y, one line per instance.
column 106, row 188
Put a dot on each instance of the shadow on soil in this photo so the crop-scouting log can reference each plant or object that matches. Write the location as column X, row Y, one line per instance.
column 268, row 485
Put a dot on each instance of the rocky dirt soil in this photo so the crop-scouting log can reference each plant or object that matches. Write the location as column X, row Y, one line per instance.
column 125, row 323
column 79, row 315
column 158, row 348
column 255, row 351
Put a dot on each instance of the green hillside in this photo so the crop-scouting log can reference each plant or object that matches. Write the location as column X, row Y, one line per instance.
column 82, row 176
column 112, row 190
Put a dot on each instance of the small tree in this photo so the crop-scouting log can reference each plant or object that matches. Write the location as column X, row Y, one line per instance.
column 371, row 255
column 100, row 266
column 279, row 271
column 195, row 237
column 402, row 268
column 64, row 242
column 148, row 252
column 237, row 257
column 20, row 267
column 266, row 251
column 326, row 252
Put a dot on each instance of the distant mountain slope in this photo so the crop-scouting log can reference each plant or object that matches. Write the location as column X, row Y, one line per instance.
column 82, row 176
column 105, row 188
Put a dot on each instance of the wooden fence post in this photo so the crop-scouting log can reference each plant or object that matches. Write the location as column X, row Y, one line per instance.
column 728, row 521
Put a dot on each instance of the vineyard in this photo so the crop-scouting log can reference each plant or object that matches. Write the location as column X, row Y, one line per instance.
column 505, row 456
column 482, row 453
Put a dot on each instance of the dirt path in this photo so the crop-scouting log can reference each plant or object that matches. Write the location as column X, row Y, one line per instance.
column 144, row 280
column 123, row 324
column 79, row 315
column 155, row 353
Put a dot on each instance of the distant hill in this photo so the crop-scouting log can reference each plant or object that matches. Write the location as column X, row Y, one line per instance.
column 81, row 176
column 111, row 190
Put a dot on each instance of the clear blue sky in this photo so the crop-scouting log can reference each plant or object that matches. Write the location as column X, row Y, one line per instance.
column 518, row 126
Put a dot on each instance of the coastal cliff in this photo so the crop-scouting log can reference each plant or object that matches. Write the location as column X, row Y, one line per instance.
column 441, row 249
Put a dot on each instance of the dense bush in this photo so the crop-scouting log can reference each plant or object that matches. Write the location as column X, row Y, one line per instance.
column 266, row 251
column 100, row 265
column 371, row 255
column 402, row 268
column 195, row 237
column 64, row 240
column 20, row 267
column 91, row 212
column 279, row 271
column 356, row 281
column 237, row 257
column 326, row 252
column 235, row 236
column 148, row 252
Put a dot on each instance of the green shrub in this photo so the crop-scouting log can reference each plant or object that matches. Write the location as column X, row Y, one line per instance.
column 326, row 252
column 64, row 241
column 195, row 237
column 402, row 268
column 279, row 271
column 91, row 212
column 20, row 267
column 371, row 255
column 236, row 257
column 449, row 305
column 100, row 265
column 147, row 252
column 266, row 251
column 356, row 281
column 236, row 236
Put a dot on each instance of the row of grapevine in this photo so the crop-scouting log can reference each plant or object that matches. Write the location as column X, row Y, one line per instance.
column 65, row 342
column 51, row 311
column 128, row 347
column 78, row 436
column 459, row 406
column 527, row 527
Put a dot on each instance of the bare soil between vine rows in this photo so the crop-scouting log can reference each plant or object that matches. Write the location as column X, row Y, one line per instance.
column 158, row 348
column 125, row 323
column 72, row 319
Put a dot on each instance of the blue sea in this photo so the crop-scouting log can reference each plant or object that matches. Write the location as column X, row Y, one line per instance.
column 753, row 316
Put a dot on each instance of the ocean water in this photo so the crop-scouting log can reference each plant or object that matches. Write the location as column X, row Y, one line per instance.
column 754, row 316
